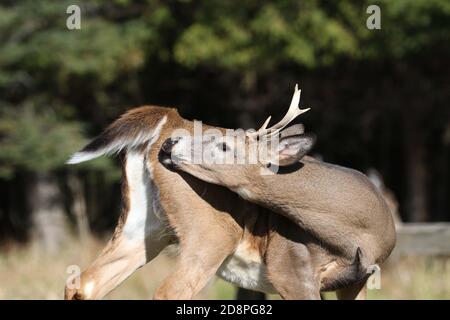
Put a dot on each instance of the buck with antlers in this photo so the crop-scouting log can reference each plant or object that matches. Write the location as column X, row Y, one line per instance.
column 216, row 230
column 339, row 207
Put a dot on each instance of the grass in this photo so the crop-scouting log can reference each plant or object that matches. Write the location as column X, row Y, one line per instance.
column 27, row 273
column 414, row 278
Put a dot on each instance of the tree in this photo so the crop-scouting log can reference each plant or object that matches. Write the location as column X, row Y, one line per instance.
column 378, row 97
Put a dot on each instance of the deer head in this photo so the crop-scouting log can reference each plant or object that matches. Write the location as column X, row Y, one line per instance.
column 228, row 157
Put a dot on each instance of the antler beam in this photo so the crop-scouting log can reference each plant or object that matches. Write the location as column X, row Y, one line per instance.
column 293, row 112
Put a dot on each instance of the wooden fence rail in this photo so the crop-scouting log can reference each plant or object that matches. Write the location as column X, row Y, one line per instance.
column 423, row 239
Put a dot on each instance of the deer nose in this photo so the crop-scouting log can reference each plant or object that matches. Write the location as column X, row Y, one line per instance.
column 169, row 143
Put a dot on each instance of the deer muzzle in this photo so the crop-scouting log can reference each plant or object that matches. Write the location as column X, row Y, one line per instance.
column 168, row 144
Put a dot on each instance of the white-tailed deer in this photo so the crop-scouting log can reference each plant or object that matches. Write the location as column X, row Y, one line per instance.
column 339, row 208
column 217, row 231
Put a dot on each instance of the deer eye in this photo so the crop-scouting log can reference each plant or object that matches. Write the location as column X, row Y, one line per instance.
column 223, row 146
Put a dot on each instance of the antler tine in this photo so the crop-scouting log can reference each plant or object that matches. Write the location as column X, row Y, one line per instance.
column 293, row 112
column 264, row 126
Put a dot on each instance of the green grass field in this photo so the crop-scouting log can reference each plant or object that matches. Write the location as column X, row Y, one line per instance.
column 27, row 273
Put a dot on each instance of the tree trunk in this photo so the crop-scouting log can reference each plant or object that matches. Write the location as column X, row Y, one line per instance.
column 416, row 171
column 79, row 207
column 45, row 203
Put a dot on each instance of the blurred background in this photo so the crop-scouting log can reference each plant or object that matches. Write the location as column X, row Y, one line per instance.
column 379, row 99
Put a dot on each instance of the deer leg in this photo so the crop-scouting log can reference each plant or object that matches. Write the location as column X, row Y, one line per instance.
column 354, row 292
column 139, row 236
column 198, row 262
column 190, row 276
column 296, row 285
column 118, row 260
column 290, row 270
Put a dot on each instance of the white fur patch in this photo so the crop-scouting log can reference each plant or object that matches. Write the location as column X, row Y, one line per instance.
column 118, row 145
column 82, row 156
column 244, row 193
column 246, row 270
column 142, row 220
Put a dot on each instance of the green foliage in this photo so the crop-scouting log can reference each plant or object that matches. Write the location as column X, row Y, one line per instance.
column 35, row 140
column 413, row 26
column 308, row 33
column 40, row 60
column 100, row 67
column 35, row 39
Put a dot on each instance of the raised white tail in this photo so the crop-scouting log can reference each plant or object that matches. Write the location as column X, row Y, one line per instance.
column 120, row 135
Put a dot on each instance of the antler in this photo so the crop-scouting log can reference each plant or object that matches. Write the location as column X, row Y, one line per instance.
column 293, row 112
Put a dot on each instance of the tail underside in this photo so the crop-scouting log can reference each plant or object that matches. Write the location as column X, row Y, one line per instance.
column 132, row 130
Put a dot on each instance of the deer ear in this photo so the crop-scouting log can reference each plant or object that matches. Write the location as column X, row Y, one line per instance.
column 294, row 130
column 291, row 149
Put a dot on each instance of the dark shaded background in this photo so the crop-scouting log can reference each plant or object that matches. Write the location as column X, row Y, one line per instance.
column 379, row 98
